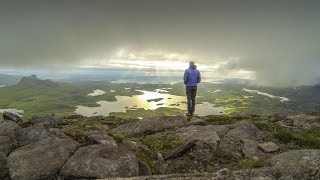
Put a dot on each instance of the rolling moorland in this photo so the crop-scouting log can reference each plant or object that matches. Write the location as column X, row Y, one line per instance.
column 43, row 97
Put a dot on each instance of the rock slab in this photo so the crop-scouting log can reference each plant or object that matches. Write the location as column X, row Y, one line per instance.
column 101, row 161
column 269, row 147
column 12, row 117
column 9, row 128
column 149, row 126
column 40, row 160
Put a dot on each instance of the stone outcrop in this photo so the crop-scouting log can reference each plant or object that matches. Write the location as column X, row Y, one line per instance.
column 175, row 147
column 101, row 161
column 304, row 121
column 9, row 128
column 295, row 164
column 269, row 147
column 12, row 117
column 251, row 149
column 47, row 121
column 300, row 164
column 207, row 133
column 150, row 126
column 33, row 133
column 101, row 137
column 245, row 130
column 40, row 160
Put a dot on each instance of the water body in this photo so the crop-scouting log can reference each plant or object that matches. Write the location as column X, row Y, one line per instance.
column 14, row 111
column 2, row 86
column 124, row 103
column 97, row 92
column 282, row 99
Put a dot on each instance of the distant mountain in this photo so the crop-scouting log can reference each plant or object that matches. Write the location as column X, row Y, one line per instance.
column 6, row 79
column 34, row 81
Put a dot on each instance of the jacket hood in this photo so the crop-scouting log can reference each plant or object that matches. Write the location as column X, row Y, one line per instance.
column 192, row 66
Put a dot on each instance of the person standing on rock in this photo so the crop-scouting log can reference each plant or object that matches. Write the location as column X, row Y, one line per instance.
column 191, row 79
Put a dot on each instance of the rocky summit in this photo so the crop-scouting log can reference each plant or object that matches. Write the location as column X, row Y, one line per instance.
column 168, row 147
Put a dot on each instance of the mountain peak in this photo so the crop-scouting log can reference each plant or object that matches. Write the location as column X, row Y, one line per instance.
column 33, row 80
column 33, row 76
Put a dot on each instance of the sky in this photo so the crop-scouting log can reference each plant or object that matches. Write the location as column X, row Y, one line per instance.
column 274, row 42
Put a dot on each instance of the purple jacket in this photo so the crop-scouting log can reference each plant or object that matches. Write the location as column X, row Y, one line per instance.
column 192, row 76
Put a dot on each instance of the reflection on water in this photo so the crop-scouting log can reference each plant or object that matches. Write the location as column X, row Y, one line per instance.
column 97, row 92
column 149, row 101
column 282, row 99
column 14, row 111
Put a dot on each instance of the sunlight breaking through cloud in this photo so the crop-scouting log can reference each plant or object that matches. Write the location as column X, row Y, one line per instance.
column 161, row 63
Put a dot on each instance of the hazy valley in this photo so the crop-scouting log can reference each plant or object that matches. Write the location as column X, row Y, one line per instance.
column 42, row 97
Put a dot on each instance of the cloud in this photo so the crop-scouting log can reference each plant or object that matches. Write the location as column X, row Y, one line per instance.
column 278, row 40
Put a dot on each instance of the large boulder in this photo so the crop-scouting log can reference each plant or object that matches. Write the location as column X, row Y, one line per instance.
column 304, row 121
column 207, row 133
column 40, row 160
column 101, row 161
column 300, row 164
column 33, row 133
column 47, row 121
column 58, row 133
column 245, row 130
column 12, row 117
column 150, row 126
column 9, row 128
column 251, row 149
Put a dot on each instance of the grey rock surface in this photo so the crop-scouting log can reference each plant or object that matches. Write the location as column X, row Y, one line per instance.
column 304, row 121
column 251, row 149
column 9, row 128
column 269, row 147
column 150, row 125
column 101, row 136
column 33, row 133
column 100, row 161
column 4, row 144
column 40, row 160
column 12, row 117
column 245, row 130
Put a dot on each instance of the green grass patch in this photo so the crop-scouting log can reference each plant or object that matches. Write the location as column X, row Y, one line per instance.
column 225, row 155
column 80, row 137
column 313, row 113
column 162, row 143
column 151, row 161
column 251, row 163
column 291, row 137
column 220, row 119
column 117, row 137
column 121, row 121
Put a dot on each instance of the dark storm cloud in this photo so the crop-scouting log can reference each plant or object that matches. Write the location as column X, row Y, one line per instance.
column 278, row 39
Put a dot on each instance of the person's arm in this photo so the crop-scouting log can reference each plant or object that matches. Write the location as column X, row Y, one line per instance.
column 185, row 77
column 199, row 77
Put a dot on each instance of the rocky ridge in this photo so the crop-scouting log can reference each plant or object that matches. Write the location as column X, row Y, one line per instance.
column 176, row 147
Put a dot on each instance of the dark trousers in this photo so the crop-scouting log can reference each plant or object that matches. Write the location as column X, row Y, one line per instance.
column 191, row 92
